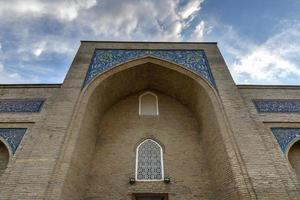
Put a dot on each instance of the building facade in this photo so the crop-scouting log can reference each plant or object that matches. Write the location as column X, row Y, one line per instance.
column 138, row 120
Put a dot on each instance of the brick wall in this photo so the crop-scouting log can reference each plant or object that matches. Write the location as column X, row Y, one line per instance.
column 60, row 154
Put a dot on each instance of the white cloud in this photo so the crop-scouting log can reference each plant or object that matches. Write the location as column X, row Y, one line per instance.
column 127, row 20
column 264, row 65
column 64, row 10
column 6, row 77
column 200, row 31
column 42, row 30
column 272, row 62
column 190, row 8
column 9, row 77
column 38, row 51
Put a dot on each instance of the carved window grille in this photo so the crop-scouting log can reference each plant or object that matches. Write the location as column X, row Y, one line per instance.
column 149, row 161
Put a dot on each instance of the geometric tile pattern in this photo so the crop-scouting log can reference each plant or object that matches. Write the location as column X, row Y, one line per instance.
column 105, row 59
column 20, row 105
column 12, row 136
column 285, row 136
column 149, row 161
column 278, row 106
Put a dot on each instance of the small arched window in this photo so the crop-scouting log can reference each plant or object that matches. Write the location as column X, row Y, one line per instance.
column 149, row 161
column 4, row 157
column 294, row 157
column 148, row 104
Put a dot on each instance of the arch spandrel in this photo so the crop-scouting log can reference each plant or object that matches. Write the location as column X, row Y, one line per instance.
column 98, row 79
column 286, row 137
column 105, row 59
column 12, row 137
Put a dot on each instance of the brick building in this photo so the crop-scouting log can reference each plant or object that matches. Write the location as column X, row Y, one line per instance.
column 149, row 121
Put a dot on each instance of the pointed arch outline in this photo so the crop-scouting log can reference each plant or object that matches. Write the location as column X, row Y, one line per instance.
column 209, row 90
column 290, row 145
column 137, row 160
column 94, row 71
column 148, row 59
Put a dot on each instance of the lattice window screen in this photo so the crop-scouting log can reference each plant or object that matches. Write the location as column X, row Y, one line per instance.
column 149, row 164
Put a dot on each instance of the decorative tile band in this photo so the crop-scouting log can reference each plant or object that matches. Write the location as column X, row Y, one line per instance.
column 104, row 59
column 278, row 106
column 12, row 136
column 20, row 105
column 285, row 136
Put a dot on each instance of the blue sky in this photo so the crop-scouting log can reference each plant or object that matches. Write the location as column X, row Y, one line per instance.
column 260, row 40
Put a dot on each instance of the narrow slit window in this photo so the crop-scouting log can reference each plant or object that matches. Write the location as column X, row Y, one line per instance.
column 148, row 104
column 149, row 161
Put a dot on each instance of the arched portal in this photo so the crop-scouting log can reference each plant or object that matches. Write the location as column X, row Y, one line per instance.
column 4, row 157
column 294, row 157
column 101, row 96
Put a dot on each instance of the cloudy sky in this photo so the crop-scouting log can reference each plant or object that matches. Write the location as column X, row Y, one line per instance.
column 260, row 40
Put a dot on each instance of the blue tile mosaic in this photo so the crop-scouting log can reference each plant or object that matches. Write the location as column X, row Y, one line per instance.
column 12, row 136
column 285, row 136
column 194, row 60
column 278, row 106
column 20, row 105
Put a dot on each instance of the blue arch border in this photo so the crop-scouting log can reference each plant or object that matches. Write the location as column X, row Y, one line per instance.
column 193, row 60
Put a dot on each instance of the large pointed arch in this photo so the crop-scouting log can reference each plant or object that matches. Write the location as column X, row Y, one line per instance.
column 143, row 60
column 146, row 74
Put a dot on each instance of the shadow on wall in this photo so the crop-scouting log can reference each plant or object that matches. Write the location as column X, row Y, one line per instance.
column 294, row 157
column 4, row 157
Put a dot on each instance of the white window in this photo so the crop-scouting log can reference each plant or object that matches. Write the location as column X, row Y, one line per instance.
column 148, row 104
column 149, row 161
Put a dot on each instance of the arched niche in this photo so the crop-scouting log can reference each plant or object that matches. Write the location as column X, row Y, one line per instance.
column 141, row 75
column 148, row 104
column 4, row 157
column 294, row 157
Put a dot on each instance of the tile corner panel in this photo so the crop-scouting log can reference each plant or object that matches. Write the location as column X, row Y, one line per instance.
column 285, row 136
column 12, row 137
